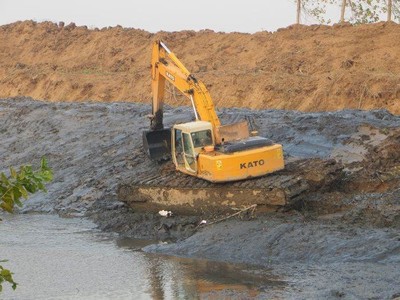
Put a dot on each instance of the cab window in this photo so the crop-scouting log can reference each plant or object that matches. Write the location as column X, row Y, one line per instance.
column 178, row 141
column 187, row 146
column 202, row 138
column 189, row 153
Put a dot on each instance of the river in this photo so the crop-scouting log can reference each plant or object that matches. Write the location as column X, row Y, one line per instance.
column 59, row 258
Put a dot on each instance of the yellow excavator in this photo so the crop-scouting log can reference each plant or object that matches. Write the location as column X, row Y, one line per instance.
column 203, row 148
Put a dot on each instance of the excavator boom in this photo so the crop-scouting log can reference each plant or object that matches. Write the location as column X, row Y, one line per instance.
column 165, row 66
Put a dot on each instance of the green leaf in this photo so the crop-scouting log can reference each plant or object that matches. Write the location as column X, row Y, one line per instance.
column 21, row 175
column 13, row 173
column 7, row 198
column 44, row 163
column 24, row 192
column 4, row 179
column 18, row 202
column 5, row 273
column 7, row 207
column 48, row 175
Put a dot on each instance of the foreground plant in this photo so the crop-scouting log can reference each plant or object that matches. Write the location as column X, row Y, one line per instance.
column 19, row 184
column 6, row 276
column 15, row 186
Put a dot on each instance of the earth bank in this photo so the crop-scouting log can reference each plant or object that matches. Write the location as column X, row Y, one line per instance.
column 308, row 68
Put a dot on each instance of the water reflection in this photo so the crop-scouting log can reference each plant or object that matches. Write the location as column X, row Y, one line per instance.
column 175, row 278
column 192, row 278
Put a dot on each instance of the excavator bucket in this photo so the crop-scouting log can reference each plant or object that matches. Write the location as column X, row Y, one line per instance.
column 157, row 144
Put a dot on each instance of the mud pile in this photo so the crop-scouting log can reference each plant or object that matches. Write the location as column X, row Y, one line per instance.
column 345, row 232
column 308, row 68
column 93, row 148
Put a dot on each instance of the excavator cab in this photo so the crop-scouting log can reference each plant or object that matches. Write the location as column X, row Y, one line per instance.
column 188, row 140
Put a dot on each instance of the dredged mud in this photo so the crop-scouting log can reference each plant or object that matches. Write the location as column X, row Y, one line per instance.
column 343, row 232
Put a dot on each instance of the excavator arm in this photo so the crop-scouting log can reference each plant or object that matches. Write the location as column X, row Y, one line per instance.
column 165, row 66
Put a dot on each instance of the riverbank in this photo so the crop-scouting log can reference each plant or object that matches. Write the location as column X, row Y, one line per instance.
column 346, row 234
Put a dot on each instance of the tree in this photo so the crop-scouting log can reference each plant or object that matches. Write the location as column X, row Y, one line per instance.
column 342, row 10
column 17, row 185
column 315, row 8
column 362, row 11
column 366, row 11
column 389, row 10
column 298, row 12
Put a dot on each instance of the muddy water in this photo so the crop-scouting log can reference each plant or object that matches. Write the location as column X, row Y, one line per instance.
column 56, row 258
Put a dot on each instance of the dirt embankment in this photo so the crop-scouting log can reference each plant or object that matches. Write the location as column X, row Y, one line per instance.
column 309, row 68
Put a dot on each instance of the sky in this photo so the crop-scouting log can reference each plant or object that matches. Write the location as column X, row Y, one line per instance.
column 168, row 15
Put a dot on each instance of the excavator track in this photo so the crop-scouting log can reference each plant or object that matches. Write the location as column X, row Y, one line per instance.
column 166, row 189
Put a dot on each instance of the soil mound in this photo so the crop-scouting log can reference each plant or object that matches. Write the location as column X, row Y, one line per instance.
column 308, row 68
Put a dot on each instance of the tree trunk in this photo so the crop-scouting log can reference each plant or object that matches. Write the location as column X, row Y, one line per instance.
column 298, row 11
column 343, row 10
column 389, row 10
